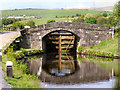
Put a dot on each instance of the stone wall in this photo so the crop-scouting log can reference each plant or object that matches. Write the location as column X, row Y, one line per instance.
column 88, row 34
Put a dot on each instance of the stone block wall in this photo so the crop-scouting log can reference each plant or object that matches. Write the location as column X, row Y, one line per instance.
column 88, row 34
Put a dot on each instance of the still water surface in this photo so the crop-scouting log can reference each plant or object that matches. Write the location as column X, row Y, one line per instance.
column 71, row 71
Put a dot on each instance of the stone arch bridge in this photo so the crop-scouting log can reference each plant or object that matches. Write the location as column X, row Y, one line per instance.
column 85, row 34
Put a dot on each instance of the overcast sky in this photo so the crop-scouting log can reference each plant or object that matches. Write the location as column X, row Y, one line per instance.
column 51, row 4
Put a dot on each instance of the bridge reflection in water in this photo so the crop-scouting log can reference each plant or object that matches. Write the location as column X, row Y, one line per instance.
column 66, row 71
column 60, row 65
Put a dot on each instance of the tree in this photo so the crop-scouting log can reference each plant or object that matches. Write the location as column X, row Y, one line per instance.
column 112, row 20
column 17, row 25
column 105, row 14
column 30, row 23
column 50, row 21
column 6, row 21
column 91, row 20
column 116, row 10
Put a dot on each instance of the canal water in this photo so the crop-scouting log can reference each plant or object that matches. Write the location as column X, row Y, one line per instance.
column 68, row 70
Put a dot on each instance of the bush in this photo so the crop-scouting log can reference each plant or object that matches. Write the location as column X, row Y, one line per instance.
column 91, row 20
column 101, row 20
column 50, row 21
column 78, row 20
column 82, row 17
column 105, row 14
column 78, row 14
column 80, row 48
column 98, row 16
column 30, row 23
column 6, row 21
column 88, row 15
column 72, row 16
column 56, row 16
column 17, row 25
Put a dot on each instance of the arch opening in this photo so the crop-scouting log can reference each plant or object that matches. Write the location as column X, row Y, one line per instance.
column 60, row 40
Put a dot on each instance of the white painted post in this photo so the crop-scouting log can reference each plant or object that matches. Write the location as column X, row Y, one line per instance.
column 9, row 71
column 113, row 32
column 26, row 27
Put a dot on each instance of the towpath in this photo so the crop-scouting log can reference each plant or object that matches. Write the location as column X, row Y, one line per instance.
column 5, row 39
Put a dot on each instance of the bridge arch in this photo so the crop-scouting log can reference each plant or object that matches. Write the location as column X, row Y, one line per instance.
column 87, row 34
column 59, row 29
column 52, row 36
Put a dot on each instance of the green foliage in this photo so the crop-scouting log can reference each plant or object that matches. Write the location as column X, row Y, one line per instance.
column 30, row 23
column 17, row 25
column 74, row 20
column 101, row 20
column 99, row 53
column 98, row 16
column 78, row 14
column 23, row 51
column 91, row 20
column 88, row 15
column 6, row 21
column 21, row 77
column 50, row 21
column 56, row 16
column 10, row 53
column 116, row 10
column 23, row 66
column 80, row 48
column 107, row 46
column 15, row 46
column 105, row 14
column 82, row 16
column 72, row 16
column 80, row 20
column 112, row 20
column 117, row 31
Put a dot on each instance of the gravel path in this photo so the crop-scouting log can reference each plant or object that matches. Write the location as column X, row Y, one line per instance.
column 5, row 39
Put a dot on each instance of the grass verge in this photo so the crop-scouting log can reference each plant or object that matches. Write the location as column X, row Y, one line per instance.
column 21, row 77
column 107, row 46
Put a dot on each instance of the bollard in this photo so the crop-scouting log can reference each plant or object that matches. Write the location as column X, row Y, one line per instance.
column 9, row 65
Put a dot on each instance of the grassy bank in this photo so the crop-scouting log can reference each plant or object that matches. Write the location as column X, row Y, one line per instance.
column 108, row 48
column 21, row 77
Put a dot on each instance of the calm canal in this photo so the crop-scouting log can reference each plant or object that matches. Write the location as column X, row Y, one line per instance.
column 66, row 70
